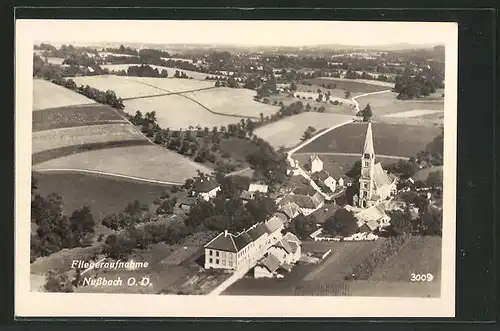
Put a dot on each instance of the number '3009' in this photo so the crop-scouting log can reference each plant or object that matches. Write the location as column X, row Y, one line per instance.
column 422, row 277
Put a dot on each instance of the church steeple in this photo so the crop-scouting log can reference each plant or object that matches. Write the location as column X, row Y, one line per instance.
column 368, row 148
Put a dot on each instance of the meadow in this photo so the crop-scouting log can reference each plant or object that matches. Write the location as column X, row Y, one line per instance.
column 171, row 71
column 388, row 139
column 103, row 194
column 63, row 137
column 288, row 131
column 173, row 85
column 177, row 112
column 386, row 104
column 142, row 162
column 124, row 87
column 352, row 85
column 49, row 95
column 64, row 117
column 420, row 255
column 237, row 102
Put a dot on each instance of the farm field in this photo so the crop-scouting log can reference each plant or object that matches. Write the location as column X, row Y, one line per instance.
column 173, row 85
column 91, row 134
column 147, row 162
column 388, row 139
column 171, row 71
column 420, row 255
column 103, row 194
column 384, row 105
column 63, row 117
column 177, row 112
column 288, row 131
column 49, row 95
column 238, row 102
column 346, row 108
column 352, row 85
column 123, row 86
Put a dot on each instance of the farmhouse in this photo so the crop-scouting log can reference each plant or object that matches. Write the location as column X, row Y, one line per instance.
column 315, row 164
column 284, row 254
column 375, row 184
column 290, row 210
column 307, row 204
column 252, row 189
column 205, row 187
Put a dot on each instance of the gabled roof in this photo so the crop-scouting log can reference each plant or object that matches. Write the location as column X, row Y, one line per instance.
column 258, row 188
column 257, row 231
column 290, row 209
column 380, row 177
column 242, row 240
column 304, row 191
column 245, row 195
column 281, row 216
column 372, row 214
column 273, row 224
column 284, row 245
column 314, row 157
column 290, row 237
column 270, row 262
column 303, row 201
column 368, row 147
column 323, row 175
column 204, row 185
column 223, row 242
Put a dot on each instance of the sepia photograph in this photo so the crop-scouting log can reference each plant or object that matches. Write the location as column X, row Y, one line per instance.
column 235, row 167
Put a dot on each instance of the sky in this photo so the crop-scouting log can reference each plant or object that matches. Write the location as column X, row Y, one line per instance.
column 263, row 33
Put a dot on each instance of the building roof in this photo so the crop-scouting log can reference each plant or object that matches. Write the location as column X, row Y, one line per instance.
column 380, row 177
column 245, row 195
column 304, row 191
column 290, row 237
column 223, row 242
column 187, row 200
column 257, row 231
column 204, row 185
column 294, row 246
column 314, row 157
column 368, row 147
column 270, row 262
column 281, row 216
column 273, row 224
column 289, row 209
column 371, row 215
column 242, row 240
column 258, row 188
column 303, row 201
column 323, row 175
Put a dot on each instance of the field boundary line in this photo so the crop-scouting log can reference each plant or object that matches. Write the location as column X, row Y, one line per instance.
column 197, row 102
column 96, row 172
column 167, row 93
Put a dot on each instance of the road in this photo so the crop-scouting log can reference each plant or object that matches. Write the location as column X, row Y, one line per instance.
column 365, row 95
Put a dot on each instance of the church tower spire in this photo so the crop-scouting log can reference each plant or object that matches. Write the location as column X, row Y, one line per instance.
column 366, row 182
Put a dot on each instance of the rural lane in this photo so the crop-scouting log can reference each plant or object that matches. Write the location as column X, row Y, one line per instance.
column 356, row 103
column 95, row 172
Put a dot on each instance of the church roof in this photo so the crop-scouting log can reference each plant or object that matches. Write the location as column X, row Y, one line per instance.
column 380, row 177
column 368, row 148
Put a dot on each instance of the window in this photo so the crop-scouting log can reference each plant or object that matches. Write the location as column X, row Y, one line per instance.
column 230, row 263
column 367, row 163
column 223, row 262
column 223, row 255
column 211, row 260
column 217, row 253
column 217, row 261
column 366, row 156
column 210, row 252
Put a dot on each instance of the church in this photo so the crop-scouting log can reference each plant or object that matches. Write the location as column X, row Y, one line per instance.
column 375, row 184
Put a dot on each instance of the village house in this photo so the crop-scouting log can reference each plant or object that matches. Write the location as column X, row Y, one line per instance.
column 267, row 268
column 290, row 210
column 315, row 164
column 282, row 255
column 205, row 188
column 307, row 204
column 372, row 218
column 253, row 188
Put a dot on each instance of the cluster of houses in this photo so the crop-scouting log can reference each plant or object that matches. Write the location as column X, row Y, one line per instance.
column 266, row 247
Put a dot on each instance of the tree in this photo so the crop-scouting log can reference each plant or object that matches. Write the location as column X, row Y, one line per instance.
column 57, row 283
column 401, row 220
column 302, row 226
column 166, row 206
column 341, row 223
column 82, row 223
column 366, row 113
column 435, row 179
column 293, row 87
column 347, row 95
column 217, row 83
